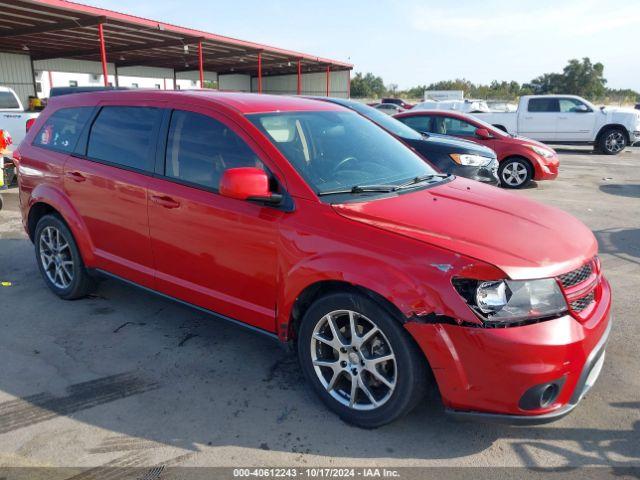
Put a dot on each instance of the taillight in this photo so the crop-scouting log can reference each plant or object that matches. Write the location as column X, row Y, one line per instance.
column 30, row 122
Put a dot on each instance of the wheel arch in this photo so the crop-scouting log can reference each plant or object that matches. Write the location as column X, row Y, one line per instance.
column 610, row 126
column 390, row 288
column 45, row 200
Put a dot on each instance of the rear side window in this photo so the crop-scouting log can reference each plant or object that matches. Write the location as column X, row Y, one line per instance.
column 125, row 136
column 200, row 148
column 8, row 100
column 63, row 128
column 420, row 123
column 543, row 105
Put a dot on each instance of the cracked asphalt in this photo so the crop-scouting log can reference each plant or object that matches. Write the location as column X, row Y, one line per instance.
column 124, row 378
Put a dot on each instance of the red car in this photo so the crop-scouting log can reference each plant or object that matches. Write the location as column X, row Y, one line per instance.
column 521, row 159
column 307, row 222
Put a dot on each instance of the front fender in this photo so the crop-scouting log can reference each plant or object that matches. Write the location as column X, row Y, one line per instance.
column 410, row 297
column 55, row 198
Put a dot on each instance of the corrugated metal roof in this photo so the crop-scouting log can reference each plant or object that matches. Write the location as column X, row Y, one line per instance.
column 60, row 29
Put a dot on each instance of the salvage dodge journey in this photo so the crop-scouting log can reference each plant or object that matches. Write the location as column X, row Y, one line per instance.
column 307, row 222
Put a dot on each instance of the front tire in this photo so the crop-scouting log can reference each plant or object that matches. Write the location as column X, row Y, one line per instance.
column 59, row 259
column 360, row 361
column 612, row 141
column 515, row 173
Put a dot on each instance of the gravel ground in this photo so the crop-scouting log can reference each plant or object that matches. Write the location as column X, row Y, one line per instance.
column 124, row 378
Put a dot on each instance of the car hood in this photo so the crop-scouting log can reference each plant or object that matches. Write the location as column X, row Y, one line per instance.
column 531, row 141
column 523, row 238
column 454, row 142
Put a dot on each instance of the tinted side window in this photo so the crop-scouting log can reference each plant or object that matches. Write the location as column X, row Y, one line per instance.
column 200, row 148
column 125, row 136
column 571, row 105
column 543, row 105
column 8, row 100
column 420, row 124
column 454, row 126
column 63, row 128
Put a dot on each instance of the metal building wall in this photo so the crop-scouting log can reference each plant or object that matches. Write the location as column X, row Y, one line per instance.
column 72, row 66
column 235, row 81
column 15, row 73
column 312, row 84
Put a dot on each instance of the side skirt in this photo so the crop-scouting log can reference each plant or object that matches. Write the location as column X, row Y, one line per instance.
column 266, row 333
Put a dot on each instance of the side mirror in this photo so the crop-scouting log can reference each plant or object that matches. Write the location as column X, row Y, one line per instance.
column 581, row 109
column 247, row 183
column 483, row 133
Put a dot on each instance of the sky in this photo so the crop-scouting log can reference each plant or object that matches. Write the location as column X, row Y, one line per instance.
column 413, row 42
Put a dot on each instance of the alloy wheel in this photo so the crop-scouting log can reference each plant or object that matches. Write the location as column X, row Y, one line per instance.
column 56, row 258
column 514, row 174
column 353, row 360
column 615, row 142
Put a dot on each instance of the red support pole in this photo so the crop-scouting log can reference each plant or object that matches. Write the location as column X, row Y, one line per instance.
column 299, row 77
column 328, row 79
column 201, row 64
column 103, row 55
column 259, row 72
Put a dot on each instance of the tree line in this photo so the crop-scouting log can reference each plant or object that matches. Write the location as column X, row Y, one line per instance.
column 579, row 77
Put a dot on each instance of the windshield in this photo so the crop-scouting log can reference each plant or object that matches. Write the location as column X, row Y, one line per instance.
column 385, row 121
column 340, row 149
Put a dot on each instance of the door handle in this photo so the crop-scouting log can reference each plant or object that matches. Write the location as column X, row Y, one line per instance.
column 75, row 176
column 528, row 118
column 166, row 202
column 563, row 118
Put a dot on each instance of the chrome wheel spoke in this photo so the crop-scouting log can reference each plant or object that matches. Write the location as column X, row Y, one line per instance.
column 367, row 392
column 354, row 391
column 344, row 365
column 380, row 378
column 57, row 266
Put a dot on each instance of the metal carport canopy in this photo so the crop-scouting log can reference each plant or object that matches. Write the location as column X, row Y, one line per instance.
column 47, row 29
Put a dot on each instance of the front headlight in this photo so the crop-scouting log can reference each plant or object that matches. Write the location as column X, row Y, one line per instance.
column 511, row 301
column 541, row 151
column 470, row 160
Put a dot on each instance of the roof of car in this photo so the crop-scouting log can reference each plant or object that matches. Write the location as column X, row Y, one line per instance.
column 244, row 103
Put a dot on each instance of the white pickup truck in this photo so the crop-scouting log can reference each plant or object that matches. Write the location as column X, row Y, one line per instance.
column 13, row 118
column 571, row 120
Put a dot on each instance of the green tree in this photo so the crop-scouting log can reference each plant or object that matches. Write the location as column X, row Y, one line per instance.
column 367, row 86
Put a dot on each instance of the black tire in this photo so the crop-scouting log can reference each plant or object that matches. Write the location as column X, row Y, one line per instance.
column 612, row 141
column 410, row 368
column 1, row 202
column 80, row 283
column 515, row 172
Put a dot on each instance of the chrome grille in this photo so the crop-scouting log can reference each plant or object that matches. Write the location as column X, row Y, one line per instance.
column 582, row 303
column 576, row 276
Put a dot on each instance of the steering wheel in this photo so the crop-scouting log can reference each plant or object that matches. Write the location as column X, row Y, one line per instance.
column 343, row 162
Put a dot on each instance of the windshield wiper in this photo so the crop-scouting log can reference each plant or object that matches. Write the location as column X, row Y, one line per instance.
column 420, row 179
column 361, row 189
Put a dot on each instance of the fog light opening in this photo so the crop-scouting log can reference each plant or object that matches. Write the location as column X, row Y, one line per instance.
column 549, row 394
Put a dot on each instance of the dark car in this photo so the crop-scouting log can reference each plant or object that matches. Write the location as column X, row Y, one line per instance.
column 450, row 155
column 399, row 102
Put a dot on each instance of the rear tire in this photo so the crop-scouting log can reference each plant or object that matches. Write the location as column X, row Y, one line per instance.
column 612, row 141
column 515, row 172
column 59, row 259
column 337, row 364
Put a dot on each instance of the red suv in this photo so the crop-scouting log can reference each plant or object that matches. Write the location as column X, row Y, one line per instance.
column 307, row 222
column 521, row 159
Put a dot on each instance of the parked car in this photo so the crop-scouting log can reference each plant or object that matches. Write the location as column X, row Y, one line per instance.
column 13, row 117
column 571, row 120
column 521, row 159
column 309, row 223
column 397, row 101
column 389, row 108
column 465, row 106
column 637, row 106
column 449, row 155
